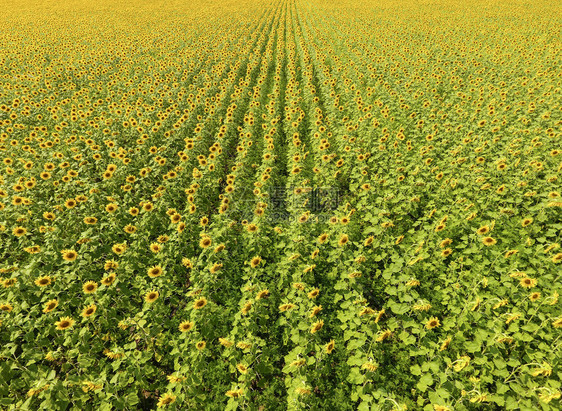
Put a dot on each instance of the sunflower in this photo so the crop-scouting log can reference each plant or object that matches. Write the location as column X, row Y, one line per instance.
column 201, row 345
column 215, row 268
column 255, row 262
column 343, row 240
column 370, row 366
column 71, row 203
column 155, row 271
column 262, row 294
column 317, row 326
column 89, row 311
column 489, row 241
column 330, row 347
column 69, row 255
column 557, row 258
column 90, row 287
column 446, row 252
column 200, row 303
column 526, row 221
column 534, row 296
column 368, row 241
column 50, row 306
column 65, row 323
column 111, row 265
column 185, row 326
column 242, row 368
column 251, row 228
column 6, row 307
column 510, row 253
column 235, row 393
column 130, row 229
column 446, row 242
column 483, row 230
column 205, row 242
column 322, row 238
column 433, row 322
column 527, row 282
column 43, row 281
column 119, row 248
column 286, row 307
column 49, row 216
column 19, row 231
column 151, row 296
column 110, row 279
column 226, row 343
column 166, row 400
column 111, row 208
column 155, row 247
column 314, row 293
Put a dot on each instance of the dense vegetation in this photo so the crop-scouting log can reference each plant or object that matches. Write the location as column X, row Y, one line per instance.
column 280, row 204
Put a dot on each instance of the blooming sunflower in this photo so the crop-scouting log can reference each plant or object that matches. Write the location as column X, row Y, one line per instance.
column 90, row 287
column 89, row 311
column 314, row 293
column 119, row 248
column 166, row 400
column 528, row 282
column 286, row 307
column 205, row 242
column 19, row 231
column 200, row 303
column 65, row 323
column 526, row 221
column 151, row 296
column 255, row 262
column 201, row 345
column 43, row 281
column 110, row 279
column 317, row 326
column 50, row 306
column 330, row 347
column 433, row 322
column 69, row 255
column 322, row 238
column 185, row 326
column 6, row 307
column 534, row 296
column 343, row 240
column 489, row 241
column 155, row 271
column 483, row 230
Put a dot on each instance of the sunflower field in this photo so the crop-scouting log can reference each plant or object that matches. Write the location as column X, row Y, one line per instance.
column 280, row 205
